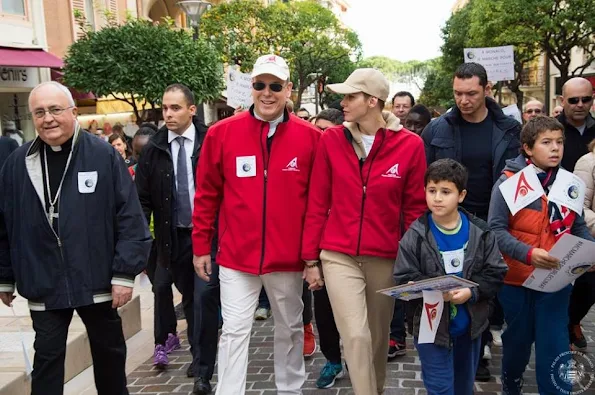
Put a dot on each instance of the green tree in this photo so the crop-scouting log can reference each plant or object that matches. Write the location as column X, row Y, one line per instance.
column 455, row 35
column 337, row 75
column 240, row 30
column 411, row 72
column 312, row 40
column 437, row 90
column 307, row 35
column 489, row 29
column 134, row 62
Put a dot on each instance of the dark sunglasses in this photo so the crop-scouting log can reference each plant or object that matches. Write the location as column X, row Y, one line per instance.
column 260, row 86
column 584, row 99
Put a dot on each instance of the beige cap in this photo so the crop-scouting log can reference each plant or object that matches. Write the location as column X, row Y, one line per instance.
column 370, row 81
column 271, row 64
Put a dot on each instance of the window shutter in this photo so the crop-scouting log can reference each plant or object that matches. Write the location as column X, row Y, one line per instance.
column 113, row 7
column 78, row 5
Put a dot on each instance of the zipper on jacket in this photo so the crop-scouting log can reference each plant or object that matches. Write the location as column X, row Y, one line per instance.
column 59, row 242
column 265, row 159
column 365, row 187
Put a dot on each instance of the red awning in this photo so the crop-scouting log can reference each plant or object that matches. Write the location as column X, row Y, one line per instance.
column 12, row 57
column 76, row 95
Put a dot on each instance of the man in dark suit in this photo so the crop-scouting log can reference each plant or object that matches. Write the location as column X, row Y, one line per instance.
column 166, row 186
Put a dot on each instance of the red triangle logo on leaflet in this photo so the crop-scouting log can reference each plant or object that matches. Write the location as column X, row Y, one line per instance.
column 522, row 187
column 431, row 313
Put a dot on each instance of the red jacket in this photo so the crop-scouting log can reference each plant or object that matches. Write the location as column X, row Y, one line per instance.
column 361, row 210
column 261, row 197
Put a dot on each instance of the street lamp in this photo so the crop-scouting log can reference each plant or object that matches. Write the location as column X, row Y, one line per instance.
column 194, row 9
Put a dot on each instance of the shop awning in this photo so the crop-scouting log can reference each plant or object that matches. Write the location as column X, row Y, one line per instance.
column 11, row 57
column 76, row 95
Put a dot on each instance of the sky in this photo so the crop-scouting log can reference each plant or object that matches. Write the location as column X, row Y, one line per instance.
column 399, row 29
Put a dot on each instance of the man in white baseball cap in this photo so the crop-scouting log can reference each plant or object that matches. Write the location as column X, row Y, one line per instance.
column 253, row 166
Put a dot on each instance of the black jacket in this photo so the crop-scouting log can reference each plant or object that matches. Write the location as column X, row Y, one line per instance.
column 442, row 137
column 102, row 237
column 7, row 145
column 575, row 144
column 155, row 182
column 419, row 259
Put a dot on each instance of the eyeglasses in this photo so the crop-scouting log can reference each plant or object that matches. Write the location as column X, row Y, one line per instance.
column 533, row 111
column 260, row 86
column 584, row 99
column 54, row 111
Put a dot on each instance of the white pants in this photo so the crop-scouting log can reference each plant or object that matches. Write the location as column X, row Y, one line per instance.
column 239, row 298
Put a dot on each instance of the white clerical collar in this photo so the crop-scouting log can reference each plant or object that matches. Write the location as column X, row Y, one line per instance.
column 189, row 133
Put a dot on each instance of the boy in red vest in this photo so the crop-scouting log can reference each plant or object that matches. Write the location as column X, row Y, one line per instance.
column 524, row 240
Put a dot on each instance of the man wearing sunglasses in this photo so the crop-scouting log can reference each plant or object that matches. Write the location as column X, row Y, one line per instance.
column 532, row 109
column 579, row 125
column 579, row 130
column 254, row 170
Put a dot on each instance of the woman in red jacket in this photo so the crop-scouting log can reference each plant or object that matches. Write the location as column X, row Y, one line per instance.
column 367, row 182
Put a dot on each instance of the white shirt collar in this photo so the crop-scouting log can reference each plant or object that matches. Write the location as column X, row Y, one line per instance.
column 274, row 122
column 189, row 133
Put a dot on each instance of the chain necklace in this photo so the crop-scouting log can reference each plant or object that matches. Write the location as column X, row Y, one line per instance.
column 51, row 210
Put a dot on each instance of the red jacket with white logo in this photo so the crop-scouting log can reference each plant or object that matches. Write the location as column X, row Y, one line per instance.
column 363, row 209
column 261, row 195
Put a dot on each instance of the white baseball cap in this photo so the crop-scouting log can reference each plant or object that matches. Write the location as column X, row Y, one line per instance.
column 271, row 64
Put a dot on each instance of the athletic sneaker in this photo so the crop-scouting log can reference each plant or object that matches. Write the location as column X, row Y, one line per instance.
column 262, row 314
column 577, row 339
column 172, row 343
column 487, row 352
column 329, row 373
column 160, row 359
column 396, row 349
column 496, row 337
column 309, row 340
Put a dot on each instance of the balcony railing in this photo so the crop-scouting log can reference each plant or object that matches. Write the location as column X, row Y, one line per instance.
column 533, row 76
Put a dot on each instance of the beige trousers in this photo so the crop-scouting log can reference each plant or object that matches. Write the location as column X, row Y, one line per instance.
column 362, row 316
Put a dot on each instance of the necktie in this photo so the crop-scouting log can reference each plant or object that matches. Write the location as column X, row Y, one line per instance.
column 183, row 197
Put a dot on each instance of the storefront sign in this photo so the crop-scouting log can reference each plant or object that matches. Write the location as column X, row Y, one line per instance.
column 18, row 77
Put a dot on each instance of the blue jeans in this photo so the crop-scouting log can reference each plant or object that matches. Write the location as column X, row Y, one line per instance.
column 540, row 318
column 449, row 371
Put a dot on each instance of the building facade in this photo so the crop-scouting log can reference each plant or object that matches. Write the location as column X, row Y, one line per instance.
column 24, row 63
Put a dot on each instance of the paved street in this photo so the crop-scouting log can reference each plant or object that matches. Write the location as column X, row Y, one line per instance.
column 403, row 378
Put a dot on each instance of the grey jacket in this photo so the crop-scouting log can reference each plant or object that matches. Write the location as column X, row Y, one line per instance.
column 419, row 259
column 499, row 217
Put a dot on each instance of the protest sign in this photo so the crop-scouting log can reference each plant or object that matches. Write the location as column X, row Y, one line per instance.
column 498, row 61
column 239, row 89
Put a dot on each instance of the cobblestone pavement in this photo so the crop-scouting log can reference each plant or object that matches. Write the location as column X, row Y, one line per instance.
column 403, row 376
